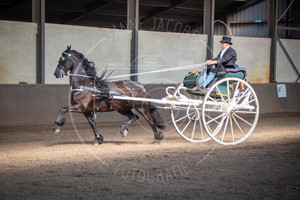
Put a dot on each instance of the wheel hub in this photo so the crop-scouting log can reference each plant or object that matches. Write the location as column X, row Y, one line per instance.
column 232, row 112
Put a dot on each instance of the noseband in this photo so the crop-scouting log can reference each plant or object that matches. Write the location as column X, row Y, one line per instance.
column 62, row 62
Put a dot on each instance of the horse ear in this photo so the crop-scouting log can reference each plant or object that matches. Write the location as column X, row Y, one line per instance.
column 68, row 48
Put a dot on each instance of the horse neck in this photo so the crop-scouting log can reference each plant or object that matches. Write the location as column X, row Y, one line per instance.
column 77, row 74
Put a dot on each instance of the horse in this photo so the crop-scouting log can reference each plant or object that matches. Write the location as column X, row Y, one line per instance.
column 97, row 96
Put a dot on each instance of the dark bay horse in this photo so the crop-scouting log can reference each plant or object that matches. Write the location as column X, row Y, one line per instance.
column 85, row 101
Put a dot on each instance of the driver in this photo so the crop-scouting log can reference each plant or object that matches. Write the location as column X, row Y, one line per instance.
column 225, row 59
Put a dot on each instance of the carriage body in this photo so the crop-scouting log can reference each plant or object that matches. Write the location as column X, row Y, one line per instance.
column 227, row 113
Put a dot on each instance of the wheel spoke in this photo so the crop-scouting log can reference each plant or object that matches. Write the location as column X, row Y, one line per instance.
column 228, row 92
column 236, row 89
column 243, row 95
column 186, row 126
column 209, row 117
column 185, row 116
column 231, row 128
column 237, row 124
column 201, row 128
column 222, row 98
column 243, row 120
column 214, row 119
column 225, row 127
column 245, row 112
column 218, row 128
column 194, row 127
column 251, row 101
column 181, row 118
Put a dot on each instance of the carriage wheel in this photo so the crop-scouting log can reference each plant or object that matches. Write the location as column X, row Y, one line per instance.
column 230, row 111
column 187, row 118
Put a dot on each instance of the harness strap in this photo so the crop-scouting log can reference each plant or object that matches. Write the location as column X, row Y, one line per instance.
column 86, row 89
column 103, row 97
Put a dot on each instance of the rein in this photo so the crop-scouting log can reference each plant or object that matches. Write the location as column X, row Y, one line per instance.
column 161, row 70
column 142, row 73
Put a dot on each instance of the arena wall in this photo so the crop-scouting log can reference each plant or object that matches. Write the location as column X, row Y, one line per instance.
column 284, row 70
column 17, row 52
column 110, row 49
column 40, row 104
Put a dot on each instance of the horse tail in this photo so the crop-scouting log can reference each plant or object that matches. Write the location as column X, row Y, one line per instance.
column 157, row 119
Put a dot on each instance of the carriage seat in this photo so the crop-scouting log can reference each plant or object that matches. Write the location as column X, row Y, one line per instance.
column 233, row 72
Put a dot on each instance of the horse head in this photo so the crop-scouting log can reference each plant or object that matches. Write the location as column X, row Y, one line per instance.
column 65, row 63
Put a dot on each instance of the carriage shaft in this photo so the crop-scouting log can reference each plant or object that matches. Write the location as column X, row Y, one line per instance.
column 161, row 101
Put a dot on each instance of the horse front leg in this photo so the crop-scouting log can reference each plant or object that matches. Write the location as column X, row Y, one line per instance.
column 59, row 120
column 98, row 138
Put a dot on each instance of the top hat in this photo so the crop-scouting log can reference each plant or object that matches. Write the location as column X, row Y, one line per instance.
column 226, row 39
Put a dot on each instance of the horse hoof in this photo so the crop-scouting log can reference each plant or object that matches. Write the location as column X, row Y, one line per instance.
column 56, row 130
column 124, row 132
column 96, row 143
column 156, row 141
column 158, row 136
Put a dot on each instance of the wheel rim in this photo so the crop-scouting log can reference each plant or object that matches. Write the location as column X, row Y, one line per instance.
column 187, row 118
column 230, row 118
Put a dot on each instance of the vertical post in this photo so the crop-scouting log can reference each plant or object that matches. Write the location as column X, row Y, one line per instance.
column 38, row 16
column 133, row 25
column 272, row 32
column 208, row 26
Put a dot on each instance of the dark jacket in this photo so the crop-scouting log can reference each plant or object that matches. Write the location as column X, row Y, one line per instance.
column 227, row 61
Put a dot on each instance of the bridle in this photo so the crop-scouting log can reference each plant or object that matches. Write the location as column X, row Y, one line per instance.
column 63, row 70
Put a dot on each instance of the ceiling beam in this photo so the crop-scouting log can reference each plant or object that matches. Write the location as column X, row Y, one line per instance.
column 153, row 3
column 158, row 3
column 190, row 8
column 160, row 10
column 237, row 7
column 60, row 8
column 15, row 3
column 90, row 8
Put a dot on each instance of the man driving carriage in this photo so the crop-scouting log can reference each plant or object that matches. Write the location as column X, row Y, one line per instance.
column 225, row 59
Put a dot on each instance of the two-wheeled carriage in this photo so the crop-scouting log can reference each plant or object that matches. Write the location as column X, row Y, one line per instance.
column 228, row 112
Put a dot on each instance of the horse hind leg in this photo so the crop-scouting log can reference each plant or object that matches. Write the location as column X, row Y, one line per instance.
column 59, row 120
column 145, row 111
column 98, row 138
column 132, row 118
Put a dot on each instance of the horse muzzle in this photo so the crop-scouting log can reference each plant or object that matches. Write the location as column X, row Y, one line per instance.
column 59, row 74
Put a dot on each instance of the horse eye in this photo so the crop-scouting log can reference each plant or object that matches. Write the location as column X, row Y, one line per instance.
column 62, row 59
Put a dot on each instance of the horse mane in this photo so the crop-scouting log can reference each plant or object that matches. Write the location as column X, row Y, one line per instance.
column 99, row 81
